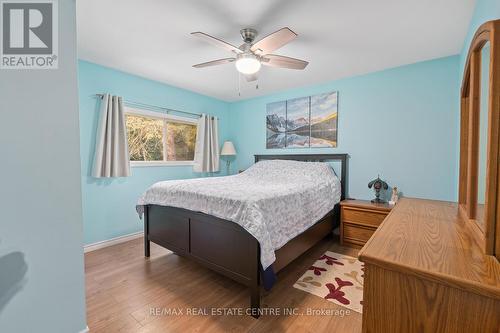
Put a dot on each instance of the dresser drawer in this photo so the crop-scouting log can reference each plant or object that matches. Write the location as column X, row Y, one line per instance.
column 357, row 234
column 362, row 216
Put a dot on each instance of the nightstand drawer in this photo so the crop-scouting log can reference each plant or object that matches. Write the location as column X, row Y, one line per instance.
column 362, row 216
column 359, row 219
column 357, row 234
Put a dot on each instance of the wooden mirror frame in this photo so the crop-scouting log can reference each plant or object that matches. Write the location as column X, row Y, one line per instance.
column 469, row 137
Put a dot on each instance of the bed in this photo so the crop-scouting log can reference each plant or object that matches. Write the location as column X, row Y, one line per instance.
column 230, row 224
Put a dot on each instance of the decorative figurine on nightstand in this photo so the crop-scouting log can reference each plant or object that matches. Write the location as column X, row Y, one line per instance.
column 394, row 196
column 377, row 185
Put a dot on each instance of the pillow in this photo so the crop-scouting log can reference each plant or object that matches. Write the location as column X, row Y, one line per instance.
column 289, row 170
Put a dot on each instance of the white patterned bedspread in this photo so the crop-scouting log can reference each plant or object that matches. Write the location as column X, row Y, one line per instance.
column 273, row 200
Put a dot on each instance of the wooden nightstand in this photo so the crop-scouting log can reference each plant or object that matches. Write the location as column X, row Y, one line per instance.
column 359, row 219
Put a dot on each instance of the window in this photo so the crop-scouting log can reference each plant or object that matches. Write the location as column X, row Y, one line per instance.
column 159, row 139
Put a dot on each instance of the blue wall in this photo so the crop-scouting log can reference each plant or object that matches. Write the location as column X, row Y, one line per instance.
column 41, row 258
column 401, row 123
column 109, row 205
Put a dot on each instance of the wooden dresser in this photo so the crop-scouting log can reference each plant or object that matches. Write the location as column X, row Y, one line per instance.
column 359, row 220
column 432, row 266
column 425, row 271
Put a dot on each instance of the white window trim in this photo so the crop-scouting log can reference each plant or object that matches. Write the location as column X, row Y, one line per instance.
column 160, row 115
column 164, row 116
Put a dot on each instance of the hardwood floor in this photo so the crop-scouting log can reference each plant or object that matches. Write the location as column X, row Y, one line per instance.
column 129, row 293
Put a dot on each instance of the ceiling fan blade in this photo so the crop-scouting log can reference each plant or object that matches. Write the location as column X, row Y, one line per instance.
column 251, row 77
column 217, row 42
column 273, row 41
column 273, row 60
column 214, row 62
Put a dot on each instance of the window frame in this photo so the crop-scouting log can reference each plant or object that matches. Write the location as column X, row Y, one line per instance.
column 133, row 111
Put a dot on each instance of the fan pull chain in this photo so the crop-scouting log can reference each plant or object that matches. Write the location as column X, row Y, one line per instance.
column 239, row 84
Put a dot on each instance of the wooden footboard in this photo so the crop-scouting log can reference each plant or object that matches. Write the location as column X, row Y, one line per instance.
column 222, row 245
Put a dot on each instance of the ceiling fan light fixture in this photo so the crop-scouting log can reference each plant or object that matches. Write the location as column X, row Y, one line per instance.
column 248, row 64
column 250, row 56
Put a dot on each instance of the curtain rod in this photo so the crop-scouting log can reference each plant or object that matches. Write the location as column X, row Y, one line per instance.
column 148, row 106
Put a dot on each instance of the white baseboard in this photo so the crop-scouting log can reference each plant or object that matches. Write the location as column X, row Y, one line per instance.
column 112, row 241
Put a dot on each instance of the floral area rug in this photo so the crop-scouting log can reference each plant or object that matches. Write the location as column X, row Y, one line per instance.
column 337, row 278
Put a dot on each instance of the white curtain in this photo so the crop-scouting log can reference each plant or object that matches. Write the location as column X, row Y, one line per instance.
column 111, row 150
column 206, row 152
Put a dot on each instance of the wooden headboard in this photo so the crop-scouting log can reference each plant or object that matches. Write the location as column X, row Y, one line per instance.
column 316, row 158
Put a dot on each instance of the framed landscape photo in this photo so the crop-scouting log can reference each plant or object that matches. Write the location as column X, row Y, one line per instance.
column 303, row 122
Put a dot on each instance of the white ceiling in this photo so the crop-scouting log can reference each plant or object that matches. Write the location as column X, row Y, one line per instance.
column 340, row 38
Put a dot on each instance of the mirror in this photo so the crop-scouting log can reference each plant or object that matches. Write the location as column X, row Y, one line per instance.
column 479, row 176
column 483, row 132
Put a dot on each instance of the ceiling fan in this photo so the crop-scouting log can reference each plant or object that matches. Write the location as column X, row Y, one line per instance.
column 250, row 56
